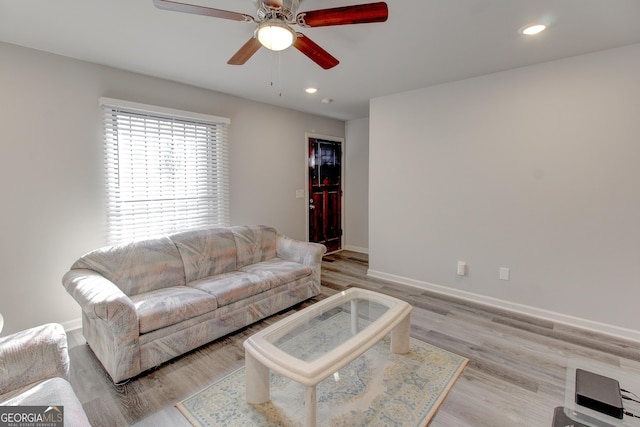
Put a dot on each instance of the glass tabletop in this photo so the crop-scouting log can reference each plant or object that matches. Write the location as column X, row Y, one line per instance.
column 327, row 328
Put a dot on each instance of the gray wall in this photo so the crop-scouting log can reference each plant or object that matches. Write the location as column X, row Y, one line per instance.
column 533, row 169
column 356, row 222
column 51, row 179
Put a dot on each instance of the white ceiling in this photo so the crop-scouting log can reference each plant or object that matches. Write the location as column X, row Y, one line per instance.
column 423, row 43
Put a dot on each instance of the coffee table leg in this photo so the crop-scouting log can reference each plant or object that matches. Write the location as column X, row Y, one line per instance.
column 400, row 336
column 257, row 380
column 354, row 317
column 310, row 403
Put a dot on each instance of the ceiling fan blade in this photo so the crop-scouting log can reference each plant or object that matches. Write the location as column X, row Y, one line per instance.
column 358, row 14
column 245, row 52
column 314, row 52
column 201, row 10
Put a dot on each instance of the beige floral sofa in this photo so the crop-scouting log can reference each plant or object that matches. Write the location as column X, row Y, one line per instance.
column 146, row 302
column 34, row 371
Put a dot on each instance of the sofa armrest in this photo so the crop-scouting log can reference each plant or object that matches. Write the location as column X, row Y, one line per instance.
column 306, row 253
column 33, row 355
column 100, row 298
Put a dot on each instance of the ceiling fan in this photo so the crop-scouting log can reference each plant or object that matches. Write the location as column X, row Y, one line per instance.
column 275, row 18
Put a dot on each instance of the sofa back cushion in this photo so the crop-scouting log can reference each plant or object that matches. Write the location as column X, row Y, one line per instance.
column 139, row 266
column 254, row 243
column 206, row 252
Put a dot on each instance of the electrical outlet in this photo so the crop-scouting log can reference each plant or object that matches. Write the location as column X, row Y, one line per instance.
column 505, row 273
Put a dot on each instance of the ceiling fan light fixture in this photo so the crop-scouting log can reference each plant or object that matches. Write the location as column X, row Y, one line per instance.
column 275, row 35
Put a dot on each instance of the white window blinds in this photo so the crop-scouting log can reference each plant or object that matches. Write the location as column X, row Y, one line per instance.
column 166, row 170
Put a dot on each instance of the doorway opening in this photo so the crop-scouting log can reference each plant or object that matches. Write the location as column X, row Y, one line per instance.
column 325, row 190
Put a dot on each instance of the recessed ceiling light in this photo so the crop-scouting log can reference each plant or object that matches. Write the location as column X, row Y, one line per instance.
column 311, row 90
column 531, row 30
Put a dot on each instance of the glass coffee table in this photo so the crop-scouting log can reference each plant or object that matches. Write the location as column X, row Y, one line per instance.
column 337, row 329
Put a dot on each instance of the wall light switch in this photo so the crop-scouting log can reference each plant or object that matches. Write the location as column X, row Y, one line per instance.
column 462, row 268
column 505, row 273
column 299, row 194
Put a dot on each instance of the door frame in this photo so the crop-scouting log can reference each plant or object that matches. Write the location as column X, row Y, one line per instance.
column 332, row 138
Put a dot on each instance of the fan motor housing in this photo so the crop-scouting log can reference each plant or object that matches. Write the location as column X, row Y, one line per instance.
column 283, row 9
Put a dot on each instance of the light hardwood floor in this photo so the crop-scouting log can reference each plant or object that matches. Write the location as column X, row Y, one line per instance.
column 516, row 375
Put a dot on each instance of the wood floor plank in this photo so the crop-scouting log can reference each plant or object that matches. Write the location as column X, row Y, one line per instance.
column 516, row 375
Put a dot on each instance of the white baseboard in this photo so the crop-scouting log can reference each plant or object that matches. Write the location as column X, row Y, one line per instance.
column 356, row 249
column 539, row 313
column 72, row 325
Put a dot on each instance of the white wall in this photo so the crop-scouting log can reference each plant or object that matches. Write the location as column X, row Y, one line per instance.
column 356, row 221
column 535, row 169
column 51, row 174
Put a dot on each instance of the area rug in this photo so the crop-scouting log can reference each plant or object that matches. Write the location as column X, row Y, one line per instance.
column 377, row 389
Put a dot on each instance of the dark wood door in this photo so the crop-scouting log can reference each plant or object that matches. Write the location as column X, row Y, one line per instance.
column 325, row 193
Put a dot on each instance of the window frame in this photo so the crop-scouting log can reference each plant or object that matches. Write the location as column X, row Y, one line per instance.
column 197, row 181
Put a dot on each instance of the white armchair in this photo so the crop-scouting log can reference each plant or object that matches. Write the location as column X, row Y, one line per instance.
column 34, row 371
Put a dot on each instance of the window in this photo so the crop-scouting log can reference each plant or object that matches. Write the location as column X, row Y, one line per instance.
column 166, row 170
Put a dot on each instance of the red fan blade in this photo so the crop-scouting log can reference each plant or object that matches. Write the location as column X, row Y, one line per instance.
column 317, row 54
column 245, row 52
column 201, row 10
column 359, row 14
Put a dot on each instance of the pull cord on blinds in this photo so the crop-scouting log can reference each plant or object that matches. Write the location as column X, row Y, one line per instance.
column 166, row 170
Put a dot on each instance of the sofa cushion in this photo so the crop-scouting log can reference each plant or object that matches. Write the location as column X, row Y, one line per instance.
column 137, row 267
column 231, row 287
column 254, row 243
column 165, row 307
column 206, row 252
column 278, row 271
